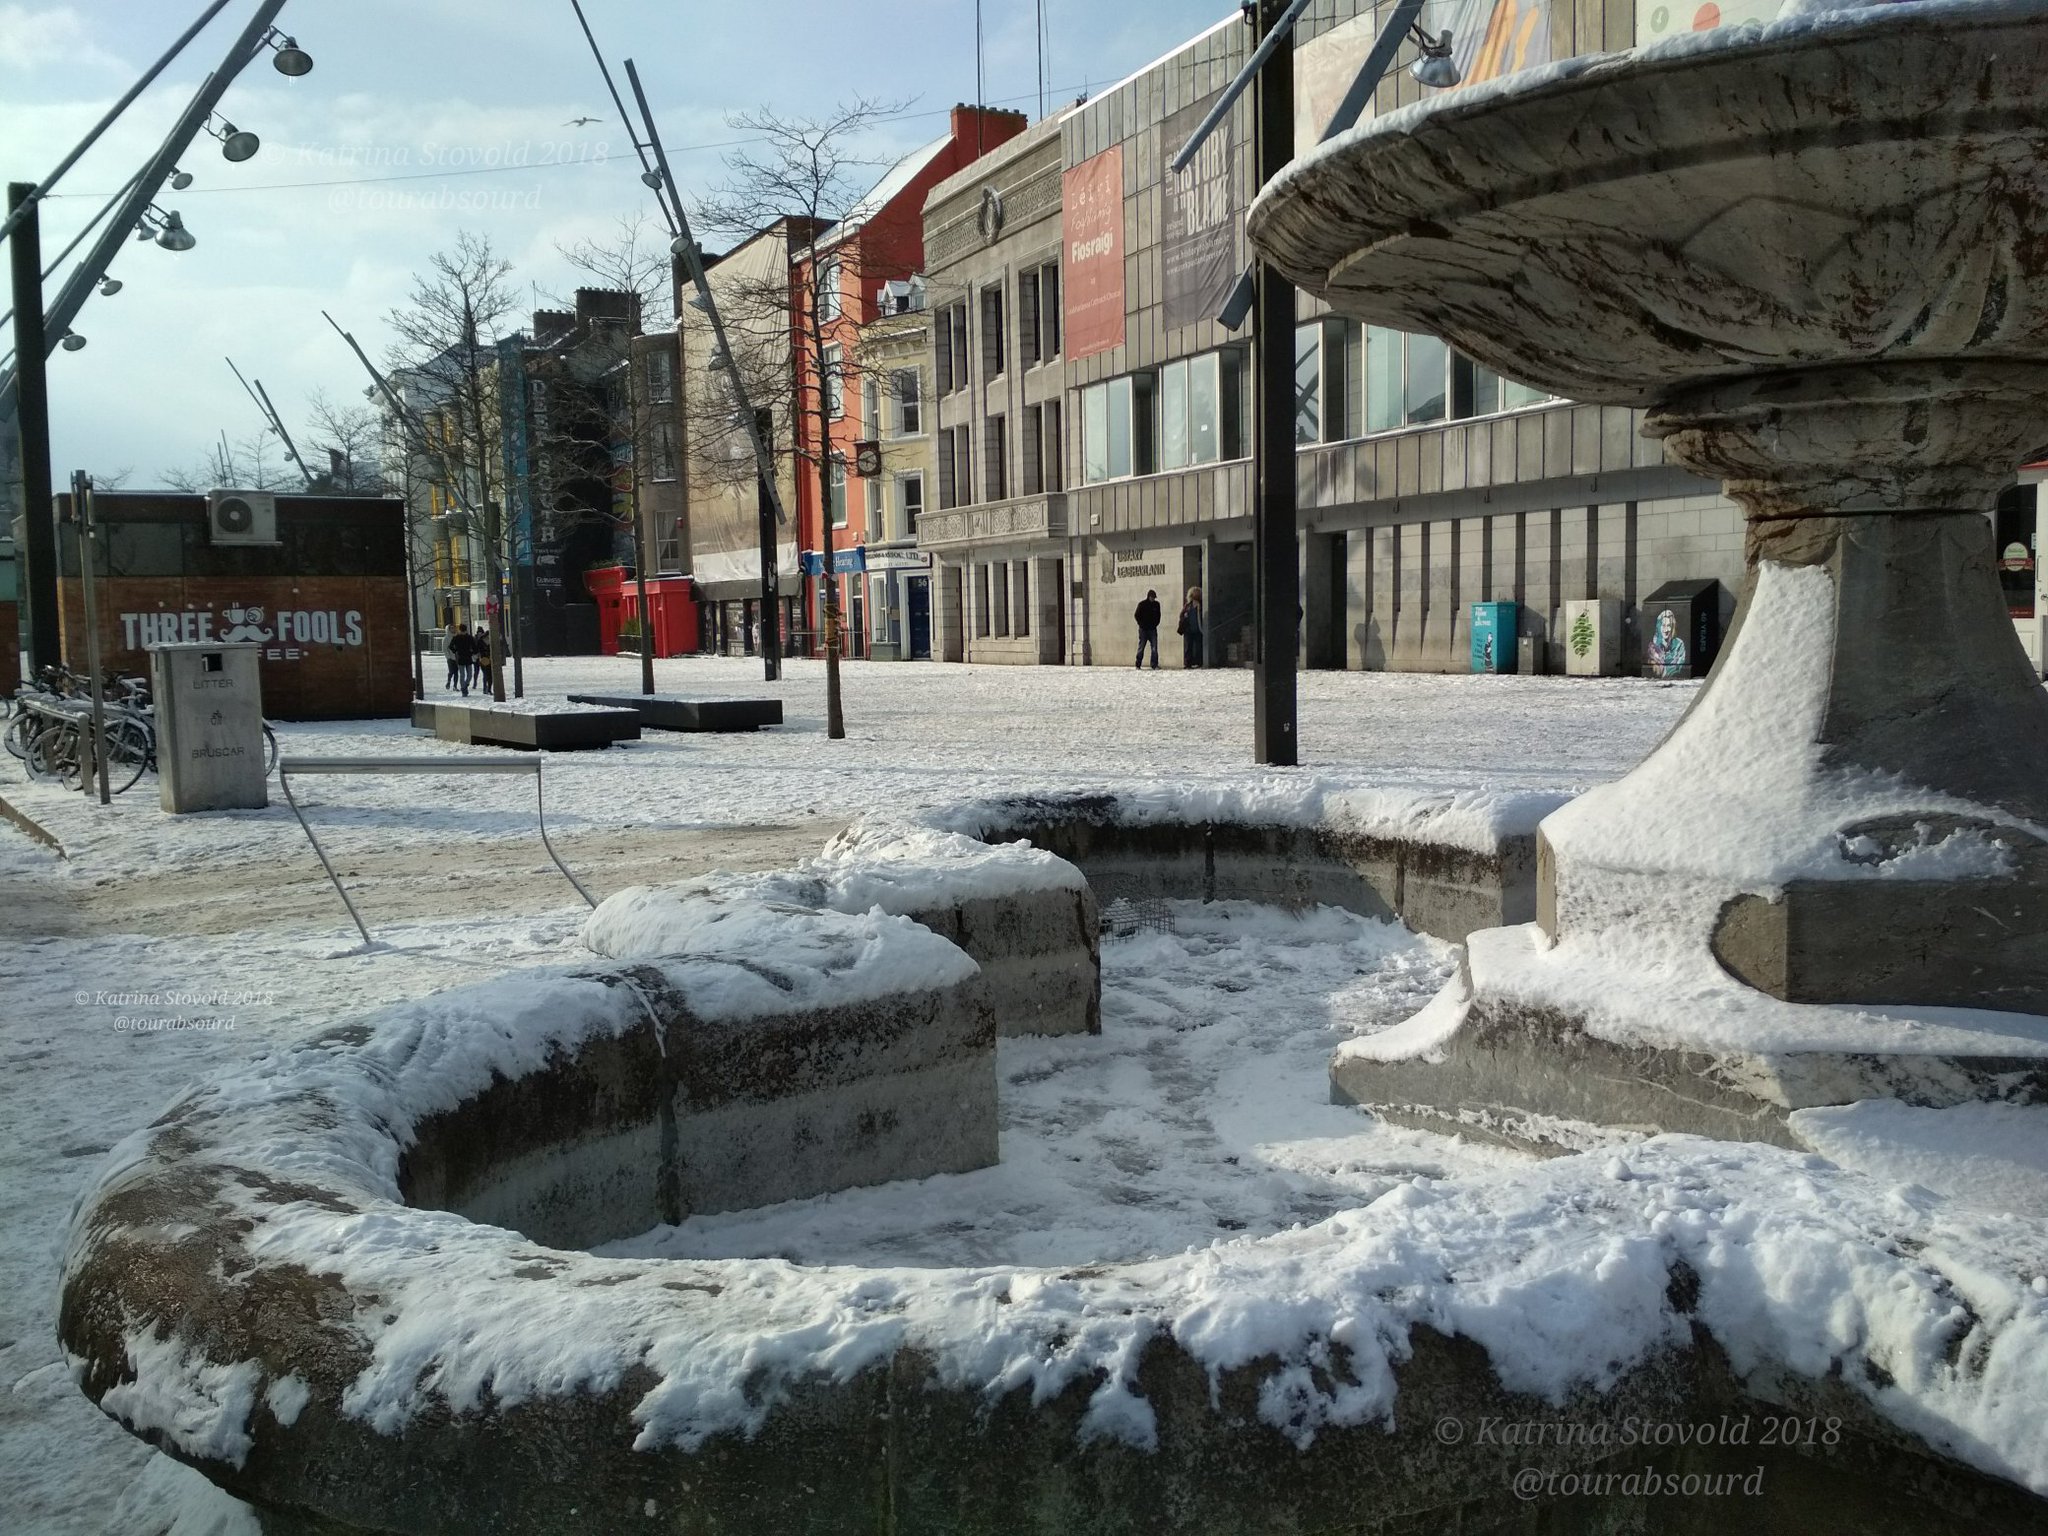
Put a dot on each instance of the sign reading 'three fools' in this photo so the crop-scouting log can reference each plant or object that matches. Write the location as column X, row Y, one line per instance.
column 1093, row 283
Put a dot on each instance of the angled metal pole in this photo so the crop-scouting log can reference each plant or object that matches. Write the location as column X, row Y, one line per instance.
column 686, row 247
column 42, row 188
column 1276, row 30
column 1406, row 13
column 72, row 296
column 263, row 404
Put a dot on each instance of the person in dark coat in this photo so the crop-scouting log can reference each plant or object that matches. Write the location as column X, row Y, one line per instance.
column 483, row 658
column 461, row 653
column 1190, row 629
column 1147, row 615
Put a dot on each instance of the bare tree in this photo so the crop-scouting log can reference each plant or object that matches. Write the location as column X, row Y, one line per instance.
column 447, row 334
column 243, row 466
column 349, row 438
column 807, row 171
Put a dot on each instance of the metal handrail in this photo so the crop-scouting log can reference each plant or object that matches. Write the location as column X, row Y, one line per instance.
column 287, row 766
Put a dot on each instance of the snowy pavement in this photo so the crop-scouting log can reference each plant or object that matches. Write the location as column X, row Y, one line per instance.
column 1129, row 1139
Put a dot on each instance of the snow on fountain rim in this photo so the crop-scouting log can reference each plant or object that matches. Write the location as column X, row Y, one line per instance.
column 1560, row 1271
column 1796, row 19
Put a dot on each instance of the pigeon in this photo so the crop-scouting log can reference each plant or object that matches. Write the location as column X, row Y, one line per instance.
column 578, row 122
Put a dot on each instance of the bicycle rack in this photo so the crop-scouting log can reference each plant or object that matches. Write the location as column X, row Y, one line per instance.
column 287, row 766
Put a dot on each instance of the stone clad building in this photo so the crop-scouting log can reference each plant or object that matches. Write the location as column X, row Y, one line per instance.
column 1097, row 446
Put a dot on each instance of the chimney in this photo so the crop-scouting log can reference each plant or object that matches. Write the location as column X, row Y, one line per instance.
column 981, row 129
column 552, row 325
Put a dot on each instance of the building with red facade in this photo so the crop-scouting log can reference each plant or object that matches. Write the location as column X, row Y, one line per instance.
column 861, row 271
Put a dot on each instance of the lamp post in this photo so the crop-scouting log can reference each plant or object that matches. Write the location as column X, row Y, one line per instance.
column 29, row 427
column 1276, row 575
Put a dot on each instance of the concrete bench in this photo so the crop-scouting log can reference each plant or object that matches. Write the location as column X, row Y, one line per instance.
column 664, row 714
column 564, row 730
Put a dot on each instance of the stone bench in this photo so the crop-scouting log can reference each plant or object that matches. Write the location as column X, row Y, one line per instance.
column 667, row 714
column 562, row 730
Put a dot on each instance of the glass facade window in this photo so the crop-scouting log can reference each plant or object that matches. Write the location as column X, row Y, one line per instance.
column 837, row 479
column 1308, row 384
column 1427, row 380
column 1192, row 424
column 835, row 383
column 1384, row 366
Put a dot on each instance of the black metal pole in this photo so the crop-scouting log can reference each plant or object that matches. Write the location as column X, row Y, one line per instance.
column 1277, row 579
column 771, row 604
column 32, row 404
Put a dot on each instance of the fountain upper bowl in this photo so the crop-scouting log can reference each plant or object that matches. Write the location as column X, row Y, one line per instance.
column 1861, row 187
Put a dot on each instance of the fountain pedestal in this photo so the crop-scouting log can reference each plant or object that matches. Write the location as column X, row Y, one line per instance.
column 1819, row 254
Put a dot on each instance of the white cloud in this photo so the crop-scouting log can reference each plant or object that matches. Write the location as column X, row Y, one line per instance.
column 51, row 37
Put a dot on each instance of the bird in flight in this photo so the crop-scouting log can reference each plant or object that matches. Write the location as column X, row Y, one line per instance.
column 578, row 122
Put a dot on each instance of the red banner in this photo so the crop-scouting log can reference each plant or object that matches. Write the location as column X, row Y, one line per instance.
column 1092, row 286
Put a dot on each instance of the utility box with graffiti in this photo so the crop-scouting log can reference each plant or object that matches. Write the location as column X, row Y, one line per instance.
column 1592, row 637
column 315, row 584
column 1681, row 629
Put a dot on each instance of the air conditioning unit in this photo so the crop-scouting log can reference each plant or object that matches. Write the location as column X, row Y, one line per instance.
column 242, row 517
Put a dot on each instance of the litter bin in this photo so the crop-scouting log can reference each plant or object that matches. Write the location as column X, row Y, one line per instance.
column 209, row 727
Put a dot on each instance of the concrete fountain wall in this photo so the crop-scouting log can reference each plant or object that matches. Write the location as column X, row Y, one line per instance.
column 344, row 1283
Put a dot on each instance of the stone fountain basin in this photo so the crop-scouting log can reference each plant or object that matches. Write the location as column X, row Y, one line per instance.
column 345, row 1282
column 1850, row 188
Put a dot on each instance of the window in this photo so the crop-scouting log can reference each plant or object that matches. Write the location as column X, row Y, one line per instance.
column 870, row 407
column 995, row 459
column 1384, row 366
column 1052, row 470
column 1308, row 384
column 661, row 378
column 981, row 614
column 828, row 288
column 1020, row 604
column 837, row 479
column 949, row 341
column 1049, row 311
column 1116, row 429
column 1195, row 426
column 910, row 497
column 999, row 585
column 835, row 384
column 991, row 332
column 1027, row 319
column 664, row 456
column 909, row 392
column 1428, row 366
column 956, row 468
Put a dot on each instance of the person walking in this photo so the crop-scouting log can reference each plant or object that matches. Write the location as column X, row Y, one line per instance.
column 483, row 659
column 1190, row 629
column 1147, row 615
column 461, row 651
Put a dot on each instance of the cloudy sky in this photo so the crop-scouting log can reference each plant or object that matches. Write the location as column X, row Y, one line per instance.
column 425, row 117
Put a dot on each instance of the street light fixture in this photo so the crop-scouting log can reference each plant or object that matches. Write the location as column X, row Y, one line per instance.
column 236, row 144
column 1436, row 68
column 180, row 180
column 174, row 236
column 291, row 58
column 71, row 341
column 109, row 286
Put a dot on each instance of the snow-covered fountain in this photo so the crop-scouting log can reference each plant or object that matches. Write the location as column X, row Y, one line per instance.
column 1820, row 259
column 354, row 1284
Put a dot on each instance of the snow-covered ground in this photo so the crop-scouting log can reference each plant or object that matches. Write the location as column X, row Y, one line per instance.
column 1199, row 1111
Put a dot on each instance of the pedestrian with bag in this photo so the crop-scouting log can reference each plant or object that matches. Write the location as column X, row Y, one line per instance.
column 1190, row 629
column 1147, row 615
column 483, row 659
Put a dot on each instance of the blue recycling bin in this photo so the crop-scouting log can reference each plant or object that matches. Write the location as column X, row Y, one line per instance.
column 1493, row 637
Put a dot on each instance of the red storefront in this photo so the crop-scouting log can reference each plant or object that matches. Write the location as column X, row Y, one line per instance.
column 671, row 600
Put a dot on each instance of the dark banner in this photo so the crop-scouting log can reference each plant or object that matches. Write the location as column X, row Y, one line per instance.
column 1198, row 246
